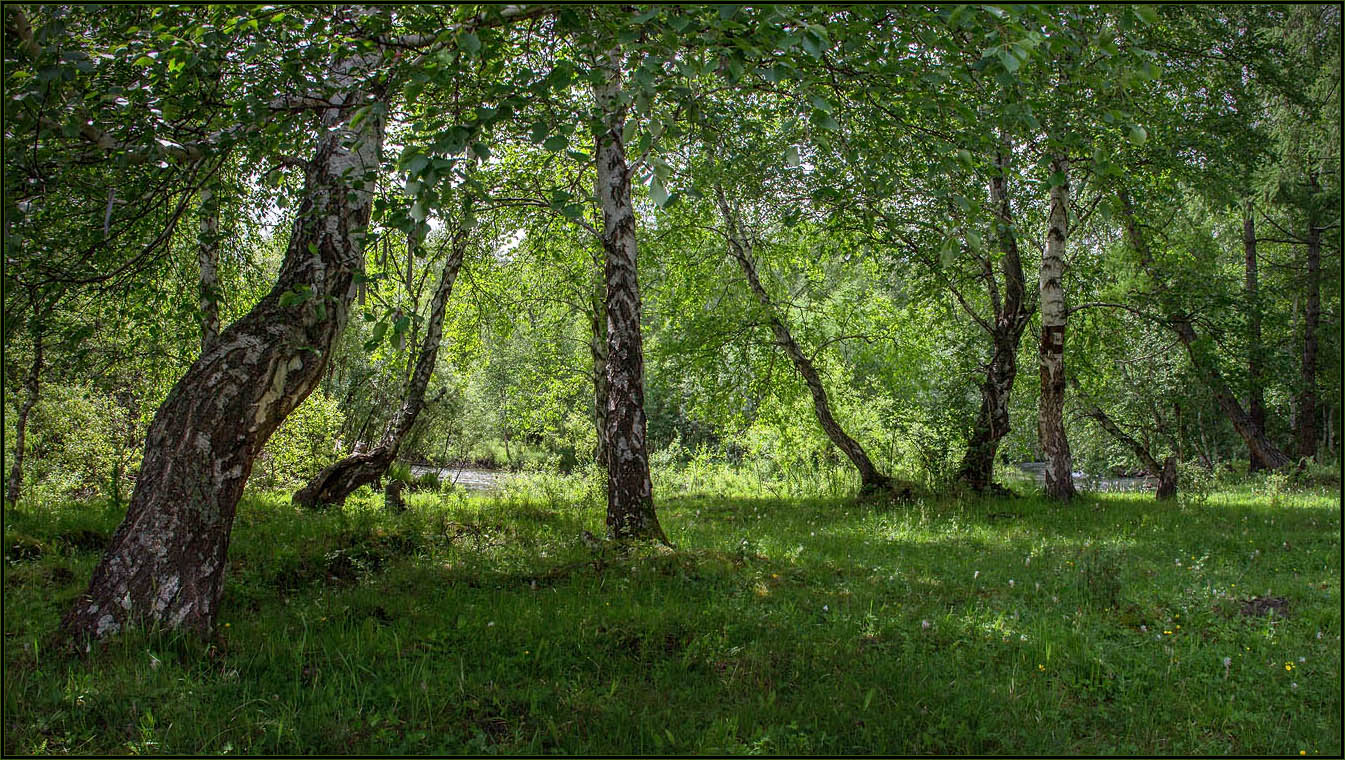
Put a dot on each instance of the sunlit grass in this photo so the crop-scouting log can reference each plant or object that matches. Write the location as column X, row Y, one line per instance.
column 476, row 624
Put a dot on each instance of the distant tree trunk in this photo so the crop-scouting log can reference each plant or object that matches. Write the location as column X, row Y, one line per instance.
column 1165, row 474
column 337, row 481
column 1051, row 355
column 630, row 498
column 165, row 564
column 207, row 256
column 1256, row 407
column 1312, row 310
column 21, row 423
column 870, row 478
column 1202, row 357
column 1011, row 318
column 597, row 348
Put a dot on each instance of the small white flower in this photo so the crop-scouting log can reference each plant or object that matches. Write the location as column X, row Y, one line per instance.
column 1022, row 637
column 1319, row 634
column 977, row 574
column 1011, row 583
column 1144, row 628
column 1228, row 661
column 1302, row 659
column 826, row 608
column 924, row 624
column 1293, row 685
column 491, row 624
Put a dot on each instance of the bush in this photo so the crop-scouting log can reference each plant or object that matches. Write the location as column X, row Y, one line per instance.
column 303, row 444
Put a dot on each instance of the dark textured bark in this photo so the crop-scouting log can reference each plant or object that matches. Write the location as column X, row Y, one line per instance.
column 597, row 348
column 870, row 478
column 1256, row 407
column 207, row 257
column 1202, row 358
column 630, row 499
column 1306, row 417
column 165, row 564
column 33, row 387
column 1051, row 354
column 1012, row 314
column 337, row 481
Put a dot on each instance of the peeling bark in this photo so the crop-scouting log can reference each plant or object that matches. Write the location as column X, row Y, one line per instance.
column 337, row 481
column 1051, row 355
column 1256, row 407
column 1306, row 417
column 165, row 564
column 630, row 500
column 1011, row 317
column 1202, row 358
column 870, row 478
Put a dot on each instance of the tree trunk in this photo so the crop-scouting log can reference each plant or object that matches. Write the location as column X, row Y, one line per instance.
column 870, row 478
column 337, row 481
column 207, row 256
column 1051, row 355
column 597, row 348
column 165, row 564
column 1202, row 358
column 21, row 424
column 1167, row 484
column 1011, row 318
column 1306, row 433
column 630, row 499
column 1256, row 407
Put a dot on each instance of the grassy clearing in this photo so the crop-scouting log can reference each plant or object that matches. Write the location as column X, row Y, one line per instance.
column 484, row 624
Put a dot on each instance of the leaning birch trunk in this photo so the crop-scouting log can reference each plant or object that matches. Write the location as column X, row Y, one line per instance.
column 871, row 480
column 207, row 257
column 1165, row 474
column 21, row 423
column 630, row 498
column 1051, row 355
column 165, row 564
column 337, row 481
column 1306, row 416
column 1256, row 407
column 1204, row 360
column 1011, row 318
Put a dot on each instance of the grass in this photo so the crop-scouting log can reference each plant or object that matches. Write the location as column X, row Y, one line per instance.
column 477, row 624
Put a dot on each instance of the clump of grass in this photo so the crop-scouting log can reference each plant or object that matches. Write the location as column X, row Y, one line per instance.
column 475, row 623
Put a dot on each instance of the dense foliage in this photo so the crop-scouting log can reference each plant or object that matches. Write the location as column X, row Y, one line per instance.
column 639, row 251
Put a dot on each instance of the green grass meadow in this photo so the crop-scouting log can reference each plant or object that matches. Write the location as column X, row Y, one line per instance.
column 483, row 624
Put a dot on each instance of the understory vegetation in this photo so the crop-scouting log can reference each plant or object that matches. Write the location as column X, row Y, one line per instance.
column 672, row 378
column 485, row 623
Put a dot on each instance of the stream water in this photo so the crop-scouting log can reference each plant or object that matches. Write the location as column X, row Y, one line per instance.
column 463, row 477
column 1086, row 482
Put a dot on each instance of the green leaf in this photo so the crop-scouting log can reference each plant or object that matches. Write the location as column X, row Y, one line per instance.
column 295, row 296
column 964, row 157
column 1137, row 134
column 1146, row 13
column 1009, row 61
column 556, row 143
column 470, row 42
column 792, row 156
column 658, row 192
column 628, row 131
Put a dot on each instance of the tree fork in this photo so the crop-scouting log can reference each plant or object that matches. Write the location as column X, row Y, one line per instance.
column 337, row 481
